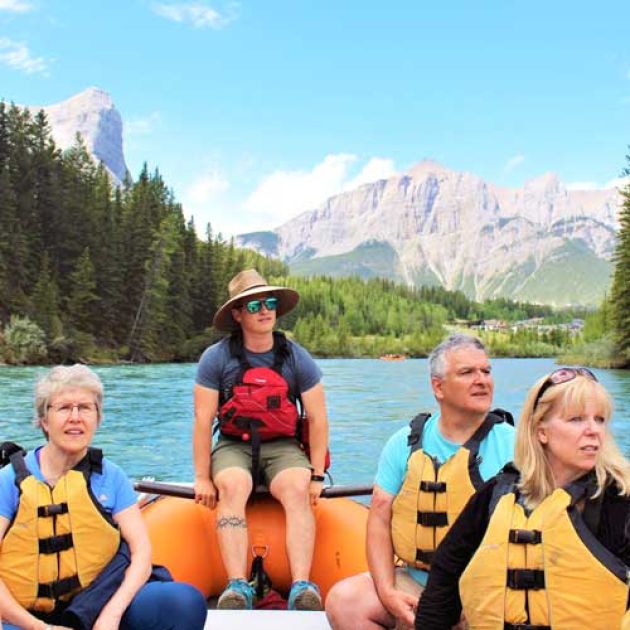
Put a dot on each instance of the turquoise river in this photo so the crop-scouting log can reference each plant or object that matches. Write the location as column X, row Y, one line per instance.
column 148, row 410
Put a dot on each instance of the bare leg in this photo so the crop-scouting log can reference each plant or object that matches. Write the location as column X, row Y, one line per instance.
column 290, row 487
column 234, row 486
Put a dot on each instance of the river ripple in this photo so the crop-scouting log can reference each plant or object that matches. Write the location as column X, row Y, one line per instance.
column 148, row 410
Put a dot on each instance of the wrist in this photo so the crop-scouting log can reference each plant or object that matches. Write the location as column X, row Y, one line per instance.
column 316, row 477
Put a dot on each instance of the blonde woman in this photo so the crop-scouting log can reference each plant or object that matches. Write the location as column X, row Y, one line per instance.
column 545, row 544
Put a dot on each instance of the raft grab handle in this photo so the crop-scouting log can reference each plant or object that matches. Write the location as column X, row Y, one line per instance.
column 187, row 492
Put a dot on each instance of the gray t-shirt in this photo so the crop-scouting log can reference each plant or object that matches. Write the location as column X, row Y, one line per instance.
column 217, row 369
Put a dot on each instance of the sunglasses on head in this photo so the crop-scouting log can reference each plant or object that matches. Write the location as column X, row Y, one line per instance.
column 254, row 306
column 562, row 375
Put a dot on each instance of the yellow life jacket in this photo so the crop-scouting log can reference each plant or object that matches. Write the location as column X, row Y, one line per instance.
column 60, row 538
column 544, row 569
column 433, row 494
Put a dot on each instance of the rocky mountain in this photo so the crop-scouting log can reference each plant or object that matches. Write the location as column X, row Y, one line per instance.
column 92, row 114
column 431, row 225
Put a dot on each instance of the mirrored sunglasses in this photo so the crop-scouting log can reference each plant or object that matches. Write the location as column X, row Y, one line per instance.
column 562, row 375
column 254, row 306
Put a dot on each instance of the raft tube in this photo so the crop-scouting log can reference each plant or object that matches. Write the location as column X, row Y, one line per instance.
column 184, row 539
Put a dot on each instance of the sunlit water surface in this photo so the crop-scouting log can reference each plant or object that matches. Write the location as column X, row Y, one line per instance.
column 148, row 410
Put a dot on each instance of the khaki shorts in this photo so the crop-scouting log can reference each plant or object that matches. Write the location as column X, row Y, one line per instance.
column 275, row 456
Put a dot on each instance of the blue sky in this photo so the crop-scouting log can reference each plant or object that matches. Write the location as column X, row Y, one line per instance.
column 256, row 110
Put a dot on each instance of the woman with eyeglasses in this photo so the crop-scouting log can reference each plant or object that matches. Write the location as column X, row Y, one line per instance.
column 545, row 544
column 75, row 552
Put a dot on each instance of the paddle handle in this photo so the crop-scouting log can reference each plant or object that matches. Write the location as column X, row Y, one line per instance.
column 186, row 492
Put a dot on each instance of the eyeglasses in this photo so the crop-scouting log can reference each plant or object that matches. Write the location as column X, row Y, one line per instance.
column 85, row 410
column 562, row 375
column 254, row 306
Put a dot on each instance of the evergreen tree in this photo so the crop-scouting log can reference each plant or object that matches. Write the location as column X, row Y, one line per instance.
column 82, row 306
column 46, row 303
column 620, row 294
column 13, row 252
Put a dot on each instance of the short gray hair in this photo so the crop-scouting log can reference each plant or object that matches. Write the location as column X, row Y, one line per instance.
column 63, row 377
column 437, row 358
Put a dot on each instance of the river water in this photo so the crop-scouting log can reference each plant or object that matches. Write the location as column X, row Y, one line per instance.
column 148, row 410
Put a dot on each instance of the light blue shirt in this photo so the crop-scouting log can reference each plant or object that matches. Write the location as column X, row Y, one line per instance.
column 112, row 488
column 496, row 450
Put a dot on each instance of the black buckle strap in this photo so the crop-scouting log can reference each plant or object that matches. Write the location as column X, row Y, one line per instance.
column 55, row 544
column 526, row 536
column 526, row 579
column 433, row 486
column 424, row 556
column 54, row 509
column 54, row 590
column 524, row 626
column 433, row 519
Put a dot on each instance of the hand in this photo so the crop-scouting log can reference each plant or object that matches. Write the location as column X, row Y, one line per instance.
column 315, row 491
column 205, row 492
column 402, row 606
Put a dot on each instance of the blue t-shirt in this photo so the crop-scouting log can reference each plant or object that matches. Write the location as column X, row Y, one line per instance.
column 112, row 488
column 496, row 450
column 219, row 370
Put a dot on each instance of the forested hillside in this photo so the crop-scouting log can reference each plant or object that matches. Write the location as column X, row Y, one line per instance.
column 92, row 272
column 103, row 273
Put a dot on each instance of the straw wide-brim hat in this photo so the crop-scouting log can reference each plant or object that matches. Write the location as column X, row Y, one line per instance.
column 244, row 284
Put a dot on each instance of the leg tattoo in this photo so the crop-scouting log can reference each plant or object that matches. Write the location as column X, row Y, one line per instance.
column 231, row 521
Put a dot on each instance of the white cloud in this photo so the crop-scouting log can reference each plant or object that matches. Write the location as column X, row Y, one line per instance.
column 279, row 196
column 582, row 186
column 142, row 126
column 197, row 14
column 377, row 168
column 618, row 182
column 17, row 55
column 203, row 199
column 284, row 194
column 513, row 162
column 17, row 6
column 206, row 188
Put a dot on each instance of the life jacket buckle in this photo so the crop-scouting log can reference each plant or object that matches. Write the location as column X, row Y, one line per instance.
column 526, row 579
column 433, row 519
column 525, row 536
column 433, row 486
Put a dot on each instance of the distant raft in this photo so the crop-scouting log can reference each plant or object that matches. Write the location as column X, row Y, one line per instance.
column 183, row 536
column 392, row 357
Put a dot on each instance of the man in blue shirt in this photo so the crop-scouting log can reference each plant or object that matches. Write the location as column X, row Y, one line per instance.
column 424, row 479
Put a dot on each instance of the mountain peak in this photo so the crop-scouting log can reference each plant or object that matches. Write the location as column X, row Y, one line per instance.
column 92, row 114
column 427, row 167
column 546, row 182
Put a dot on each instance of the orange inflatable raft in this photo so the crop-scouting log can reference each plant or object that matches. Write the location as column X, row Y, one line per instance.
column 183, row 535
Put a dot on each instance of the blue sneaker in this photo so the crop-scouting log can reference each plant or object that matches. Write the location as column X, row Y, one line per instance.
column 304, row 595
column 238, row 595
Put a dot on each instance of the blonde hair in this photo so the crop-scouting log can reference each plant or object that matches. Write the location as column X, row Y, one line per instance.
column 536, row 481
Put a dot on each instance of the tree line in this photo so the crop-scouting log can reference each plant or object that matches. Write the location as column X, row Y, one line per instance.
column 96, row 272
column 89, row 270
column 606, row 340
